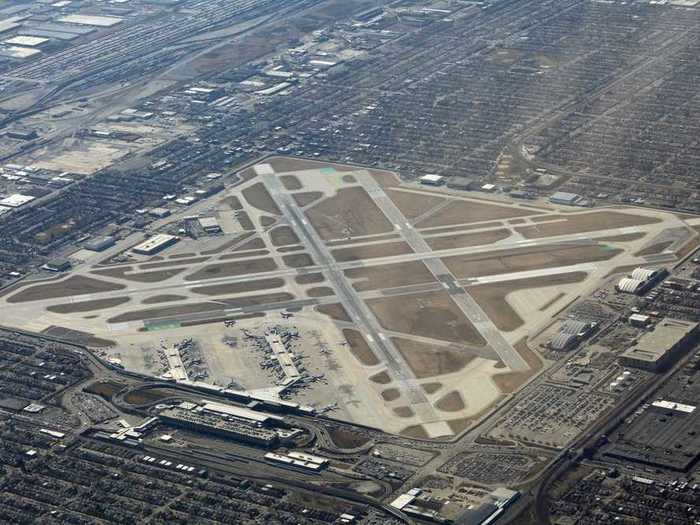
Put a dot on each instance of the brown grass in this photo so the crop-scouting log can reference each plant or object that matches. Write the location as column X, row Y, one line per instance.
column 492, row 297
column 462, row 212
column 169, row 264
column 431, row 388
column 232, row 202
column 266, row 221
column 230, row 269
column 468, row 239
column 431, row 314
column 359, row 348
column 363, row 240
column 451, row 402
column 225, row 246
column 291, row 183
column 389, row 275
column 310, row 278
column 369, row 251
column 405, row 411
column 238, row 288
column 156, row 299
column 382, row 378
column 351, row 212
column 258, row 197
column 306, row 198
column 298, row 260
column 87, row 306
column 413, row 205
column 429, row 361
column 335, row 311
column 586, row 222
column 390, row 394
column 347, row 439
column 283, row 235
column 524, row 259
column 465, row 227
column 627, row 237
column 140, row 277
column 654, row 249
column 243, row 255
column 74, row 285
column 320, row 291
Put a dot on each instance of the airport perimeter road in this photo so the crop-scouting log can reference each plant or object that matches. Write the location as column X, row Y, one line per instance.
column 466, row 303
column 356, row 307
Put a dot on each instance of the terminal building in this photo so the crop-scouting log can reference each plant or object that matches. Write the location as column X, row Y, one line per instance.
column 657, row 349
column 155, row 244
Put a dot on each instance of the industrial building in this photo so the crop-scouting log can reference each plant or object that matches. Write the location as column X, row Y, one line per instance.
column 565, row 198
column 657, row 349
column 432, row 180
column 155, row 244
column 463, row 184
column 210, row 224
column 570, row 334
column 57, row 265
column 300, row 460
column 641, row 280
column 100, row 244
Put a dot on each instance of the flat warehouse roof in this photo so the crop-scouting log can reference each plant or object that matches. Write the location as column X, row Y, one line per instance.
column 91, row 20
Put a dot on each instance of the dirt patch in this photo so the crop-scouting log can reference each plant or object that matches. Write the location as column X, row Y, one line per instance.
column 243, row 255
column 335, row 311
column 74, row 285
column 462, row 212
column 320, row 291
column 163, row 299
column 310, row 278
column 351, row 212
column 654, row 249
column 283, row 235
column 238, row 288
column 552, row 301
column 169, row 264
column 585, row 222
column 451, row 402
column 390, row 394
column 389, row 275
column 298, row 260
column 140, row 277
column 404, row 411
column 230, row 269
column 431, row 388
column 509, row 382
column 347, row 439
column 429, row 361
column 229, row 244
column 87, row 306
column 468, row 239
column 525, row 259
column 258, row 197
column 359, row 347
column 459, row 425
column 306, row 198
column 291, row 183
column 349, row 179
column 382, row 378
column 370, row 251
column 492, row 297
column 266, row 221
column 413, row 205
column 432, row 314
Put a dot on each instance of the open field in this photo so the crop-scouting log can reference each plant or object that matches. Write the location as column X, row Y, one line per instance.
column 463, row 240
column 140, row 277
column 258, row 197
column 370, row 251
column 389, row 276
column 429, row 361
column 359, row 348
column 493, row 297
column 462, row 212
column 87, row 306
column 283, row 236
column 74, row 285
column 213, row 271
column 350, row 212
column 237, row 288
column 432, row 315
column 306, row 198
column 335, row 311
column 413, row 205
column 156, row 299
column 291, row 182
column 585, row 222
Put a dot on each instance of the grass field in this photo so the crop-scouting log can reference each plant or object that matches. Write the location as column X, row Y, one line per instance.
column 428, row 361
column 74, row 285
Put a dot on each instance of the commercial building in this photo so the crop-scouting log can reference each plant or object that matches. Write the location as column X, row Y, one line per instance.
column 159, row 213
column 463, row 184
column 155, row 244
column 641, row 280
column 210, row 224
column 432, row 180
column 657, row 349
column 100, row 244
column 57, row 265
column 565, row 198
